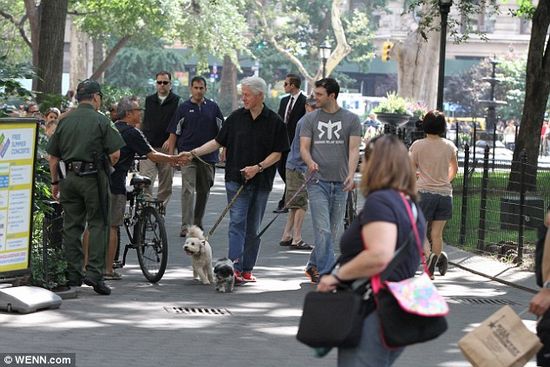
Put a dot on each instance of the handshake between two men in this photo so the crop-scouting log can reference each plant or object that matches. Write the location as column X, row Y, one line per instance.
column 180, row 159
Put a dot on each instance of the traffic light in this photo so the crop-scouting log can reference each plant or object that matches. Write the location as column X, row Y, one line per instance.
column 386, row 49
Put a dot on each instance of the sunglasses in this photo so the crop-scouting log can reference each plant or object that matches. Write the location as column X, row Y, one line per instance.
column 163, row 82
column 286, row 84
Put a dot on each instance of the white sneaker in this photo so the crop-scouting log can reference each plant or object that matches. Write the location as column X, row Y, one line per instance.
column 431, row 263
column 443, row 263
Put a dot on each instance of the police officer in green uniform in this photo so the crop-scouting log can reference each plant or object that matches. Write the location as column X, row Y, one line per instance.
column 81, row 151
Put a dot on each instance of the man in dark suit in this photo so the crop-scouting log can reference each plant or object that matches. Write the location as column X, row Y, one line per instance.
column 291, row 109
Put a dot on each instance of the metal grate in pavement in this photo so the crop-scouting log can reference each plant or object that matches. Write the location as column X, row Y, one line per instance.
column 197, row 311
column 480, row 301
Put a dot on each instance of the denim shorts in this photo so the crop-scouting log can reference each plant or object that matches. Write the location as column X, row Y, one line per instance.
column 435, row 206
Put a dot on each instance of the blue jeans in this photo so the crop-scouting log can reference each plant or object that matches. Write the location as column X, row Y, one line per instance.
column 245, row 217
column 371, row 351
column 327, row 202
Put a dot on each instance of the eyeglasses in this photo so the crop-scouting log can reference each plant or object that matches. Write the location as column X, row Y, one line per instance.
column 163, row 82
column 286, row 83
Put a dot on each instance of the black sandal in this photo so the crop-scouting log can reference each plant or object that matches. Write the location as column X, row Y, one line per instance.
column 286, row 243
column 301, row 246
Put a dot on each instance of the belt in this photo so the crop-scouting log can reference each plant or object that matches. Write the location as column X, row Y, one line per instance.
column 81, row 167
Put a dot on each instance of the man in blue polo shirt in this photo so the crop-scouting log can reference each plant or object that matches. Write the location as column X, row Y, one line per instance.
column 195, row 122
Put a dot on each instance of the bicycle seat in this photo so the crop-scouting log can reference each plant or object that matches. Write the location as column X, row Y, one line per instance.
column 139, row 180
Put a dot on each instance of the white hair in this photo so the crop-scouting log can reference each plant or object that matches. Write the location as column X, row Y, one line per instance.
column 256, row 84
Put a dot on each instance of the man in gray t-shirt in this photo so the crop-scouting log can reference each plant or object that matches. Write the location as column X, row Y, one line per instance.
column 330, row 141
column 329, row 145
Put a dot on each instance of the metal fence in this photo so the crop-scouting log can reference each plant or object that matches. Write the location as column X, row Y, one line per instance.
column 488, row 216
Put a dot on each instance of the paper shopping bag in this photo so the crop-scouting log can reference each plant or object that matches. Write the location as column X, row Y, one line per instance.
column 500, row 341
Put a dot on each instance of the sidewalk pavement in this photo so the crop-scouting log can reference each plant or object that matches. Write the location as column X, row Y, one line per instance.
column 505, row 273
column 136, row 325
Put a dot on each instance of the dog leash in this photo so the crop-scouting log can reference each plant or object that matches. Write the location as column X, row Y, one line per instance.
column 225, row 211
column 309, row 178
column 300, row 189
column 199, row 159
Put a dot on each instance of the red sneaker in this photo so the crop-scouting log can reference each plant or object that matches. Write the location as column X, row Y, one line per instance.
column 313, row 274
column 238, row 278
column 248, row 277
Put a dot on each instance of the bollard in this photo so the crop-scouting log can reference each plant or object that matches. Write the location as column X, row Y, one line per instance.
column 464, row 209
column 474, row 138
column 521, row 219
column 483, row 201
column 456, row 135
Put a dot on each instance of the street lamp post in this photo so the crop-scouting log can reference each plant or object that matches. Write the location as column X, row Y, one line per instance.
column 324, row 50
column 444, row 8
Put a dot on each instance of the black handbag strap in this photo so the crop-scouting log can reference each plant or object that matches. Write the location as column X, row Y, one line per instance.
column 400, row 253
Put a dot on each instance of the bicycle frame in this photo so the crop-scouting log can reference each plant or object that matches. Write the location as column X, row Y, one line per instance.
column 138, row 200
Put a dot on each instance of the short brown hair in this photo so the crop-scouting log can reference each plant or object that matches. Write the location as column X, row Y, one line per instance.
column 388, row 167
column 434, row 122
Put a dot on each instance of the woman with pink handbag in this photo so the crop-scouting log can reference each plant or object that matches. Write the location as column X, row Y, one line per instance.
column 368, row 246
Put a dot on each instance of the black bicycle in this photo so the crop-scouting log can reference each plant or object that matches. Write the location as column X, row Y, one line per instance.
column 144, row 223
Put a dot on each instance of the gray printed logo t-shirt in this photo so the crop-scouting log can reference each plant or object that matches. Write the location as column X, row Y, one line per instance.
column 329, row 133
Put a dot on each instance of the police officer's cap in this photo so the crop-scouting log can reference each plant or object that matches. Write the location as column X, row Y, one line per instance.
column 87, row 87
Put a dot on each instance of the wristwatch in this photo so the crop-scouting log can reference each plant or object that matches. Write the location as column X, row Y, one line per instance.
column 546, row 284
column 261, row 167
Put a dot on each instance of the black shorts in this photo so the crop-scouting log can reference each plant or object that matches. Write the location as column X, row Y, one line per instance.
column 435, row 206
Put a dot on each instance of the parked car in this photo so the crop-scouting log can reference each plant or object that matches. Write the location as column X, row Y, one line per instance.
column 501, row 152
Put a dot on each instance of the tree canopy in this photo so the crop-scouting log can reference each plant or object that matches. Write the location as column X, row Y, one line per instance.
column 296, row 32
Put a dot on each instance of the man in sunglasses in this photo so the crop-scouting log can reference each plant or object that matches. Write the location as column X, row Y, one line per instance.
column 159, row 109
column 82, row 143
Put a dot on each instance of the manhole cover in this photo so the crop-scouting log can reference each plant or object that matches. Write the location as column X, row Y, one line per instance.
column 197, row 311
column 481, row 301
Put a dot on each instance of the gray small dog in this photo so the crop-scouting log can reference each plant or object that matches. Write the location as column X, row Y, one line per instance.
column 224, row 274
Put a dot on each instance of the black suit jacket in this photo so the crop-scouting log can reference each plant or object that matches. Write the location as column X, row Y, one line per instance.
column 296, row 114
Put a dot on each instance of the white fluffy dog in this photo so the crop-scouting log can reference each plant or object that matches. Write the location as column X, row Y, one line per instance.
column 200, row 251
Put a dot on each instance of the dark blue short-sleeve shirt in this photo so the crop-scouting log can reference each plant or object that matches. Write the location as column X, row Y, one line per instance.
column 136, row 143
column 195, row 124
column 385, row 206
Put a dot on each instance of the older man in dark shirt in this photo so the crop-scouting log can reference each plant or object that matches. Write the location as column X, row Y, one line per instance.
column 254, row 138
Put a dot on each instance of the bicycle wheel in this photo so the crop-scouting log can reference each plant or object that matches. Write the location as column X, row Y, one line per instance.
column 152, row 245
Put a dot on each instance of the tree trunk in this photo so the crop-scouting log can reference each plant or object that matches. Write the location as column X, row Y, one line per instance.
column 228, row 87
column 110, row 57
column 341, row 50
column 79, row 59
column 50, row 49
column 537, row 89
column 98, row 57
column 33, row 12
column 416, row 73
